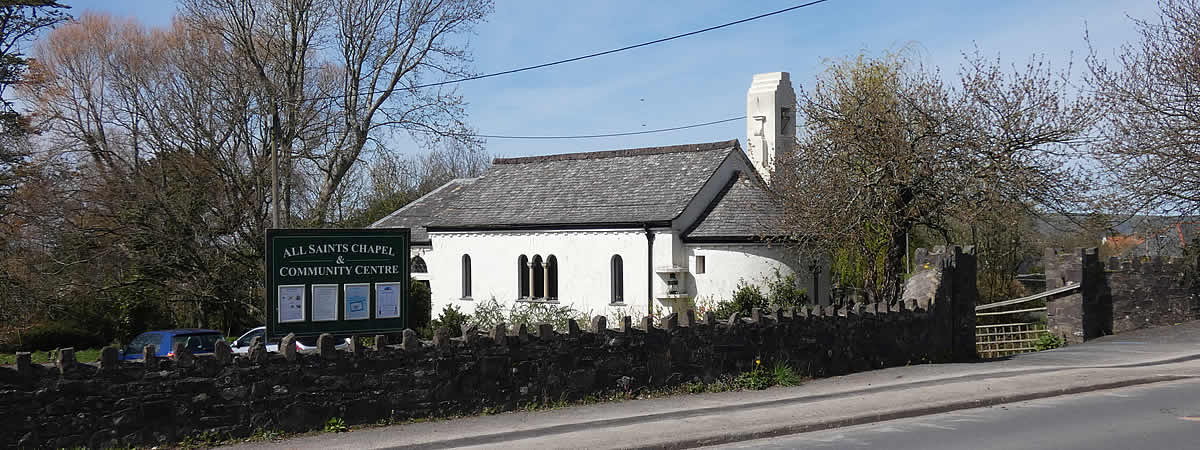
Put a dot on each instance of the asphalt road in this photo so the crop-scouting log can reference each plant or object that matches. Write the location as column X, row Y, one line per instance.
column 1156, row 416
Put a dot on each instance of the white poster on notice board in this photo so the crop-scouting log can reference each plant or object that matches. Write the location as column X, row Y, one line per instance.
column 291, row 303
column 324, row 302
column 387, row 300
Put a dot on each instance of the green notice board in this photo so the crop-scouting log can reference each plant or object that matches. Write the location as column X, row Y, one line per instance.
column 337, row 281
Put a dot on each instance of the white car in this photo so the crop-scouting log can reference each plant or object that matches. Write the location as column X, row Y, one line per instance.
column 241, row 346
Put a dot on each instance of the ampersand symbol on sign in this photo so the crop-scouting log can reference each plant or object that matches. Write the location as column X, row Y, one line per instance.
column 340, row 260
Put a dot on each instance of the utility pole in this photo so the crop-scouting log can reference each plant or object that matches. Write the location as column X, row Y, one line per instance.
column 274, row 171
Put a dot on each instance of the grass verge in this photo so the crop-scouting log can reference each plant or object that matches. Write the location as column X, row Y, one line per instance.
column 86, row 356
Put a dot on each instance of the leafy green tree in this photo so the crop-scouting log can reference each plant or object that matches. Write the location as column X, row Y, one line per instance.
column 889, row 147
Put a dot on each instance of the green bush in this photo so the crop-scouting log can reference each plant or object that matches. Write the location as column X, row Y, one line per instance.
column 54, row 335
column 489, row 313
column 783, row 292
column 452, row 318
column 756, row 379
column 745, row 298
column 1049, row 341
column 534, row 314
column 420, row 306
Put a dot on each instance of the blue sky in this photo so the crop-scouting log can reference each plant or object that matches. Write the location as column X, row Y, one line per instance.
column 705, row 77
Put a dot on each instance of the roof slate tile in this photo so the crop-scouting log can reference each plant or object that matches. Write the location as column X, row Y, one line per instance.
column 621, row 186
column 744, row 210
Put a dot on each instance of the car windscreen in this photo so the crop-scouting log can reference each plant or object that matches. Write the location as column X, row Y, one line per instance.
column 198, row 342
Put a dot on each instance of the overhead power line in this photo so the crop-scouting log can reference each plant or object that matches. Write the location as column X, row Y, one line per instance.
column 593, row 55
column 590, row 136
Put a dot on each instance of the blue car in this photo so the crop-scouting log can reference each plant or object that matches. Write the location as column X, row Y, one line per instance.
column 198, row 340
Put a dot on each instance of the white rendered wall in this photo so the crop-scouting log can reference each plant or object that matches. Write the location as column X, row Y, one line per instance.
column 729, row 265
column 770, row 119
column 583, row 266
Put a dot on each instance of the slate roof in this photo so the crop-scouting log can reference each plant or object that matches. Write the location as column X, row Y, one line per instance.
column 419, row 213
column 611, row 187
column 743, row 211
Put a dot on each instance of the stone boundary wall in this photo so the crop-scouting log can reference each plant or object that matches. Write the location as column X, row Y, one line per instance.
column 160, row 400
column 1118, row 295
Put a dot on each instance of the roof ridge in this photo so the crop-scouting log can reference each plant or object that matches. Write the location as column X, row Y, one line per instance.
column 698, row 147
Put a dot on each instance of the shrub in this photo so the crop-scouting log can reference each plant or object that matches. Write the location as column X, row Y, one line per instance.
column 452, row 318
column 420, row 307
column 54, row 335
column 745, row 298
column 756, row 379
column 783, row 292
column 490, row 312
column 1048, row 341
column 539, row 313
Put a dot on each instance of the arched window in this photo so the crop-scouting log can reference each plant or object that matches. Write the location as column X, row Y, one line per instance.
column 466, row 276
column 617, row 279
column 418, row 265
column 552, row 277
column 539, row 277
column 523, row 277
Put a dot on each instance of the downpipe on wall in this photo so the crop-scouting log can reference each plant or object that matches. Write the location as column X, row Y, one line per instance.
column 649, row 270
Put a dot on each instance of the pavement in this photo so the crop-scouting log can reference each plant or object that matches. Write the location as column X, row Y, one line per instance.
column 1164, row 354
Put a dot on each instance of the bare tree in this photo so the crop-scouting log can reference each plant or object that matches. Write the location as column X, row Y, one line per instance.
column 888, row 147
column 1151, row 145
column 164, row 140
column 384, row 50
column 167, row 209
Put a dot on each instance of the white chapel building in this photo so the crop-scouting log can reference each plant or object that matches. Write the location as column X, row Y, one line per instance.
column 638, row 229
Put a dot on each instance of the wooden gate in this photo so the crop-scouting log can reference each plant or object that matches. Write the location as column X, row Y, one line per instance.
column 1004, row 339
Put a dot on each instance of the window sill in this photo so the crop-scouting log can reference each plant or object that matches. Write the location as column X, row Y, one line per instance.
column 553, row 301
column 467, row 299
column 617, row 304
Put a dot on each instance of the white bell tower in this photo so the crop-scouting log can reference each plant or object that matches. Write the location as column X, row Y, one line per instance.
column 770, row 120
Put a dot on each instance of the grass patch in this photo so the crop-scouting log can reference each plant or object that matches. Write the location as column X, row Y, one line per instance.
column 85, row 356
column 783, row 375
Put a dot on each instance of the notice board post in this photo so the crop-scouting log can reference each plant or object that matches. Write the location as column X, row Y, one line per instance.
column 337, row 281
